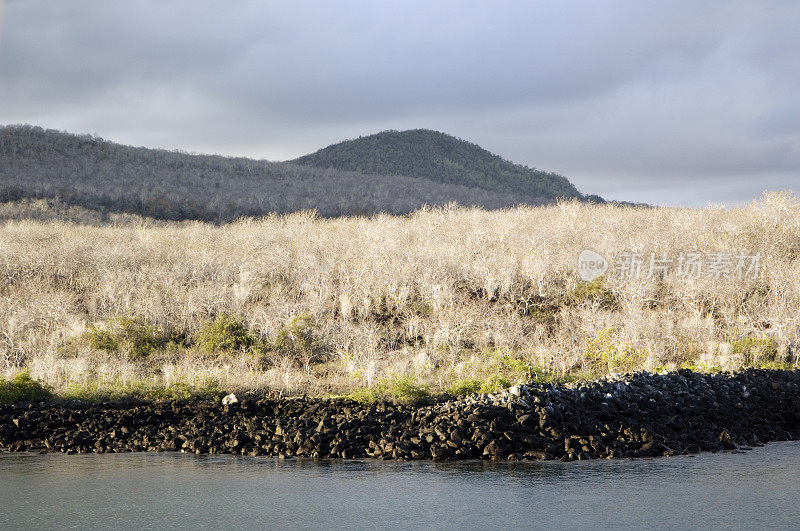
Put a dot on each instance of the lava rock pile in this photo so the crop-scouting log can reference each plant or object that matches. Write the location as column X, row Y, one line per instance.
column 636, row 415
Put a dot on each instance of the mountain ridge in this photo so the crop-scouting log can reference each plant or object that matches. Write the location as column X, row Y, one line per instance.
column 103, row 176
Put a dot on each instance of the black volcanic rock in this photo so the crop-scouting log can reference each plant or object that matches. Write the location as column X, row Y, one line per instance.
column 639, row 415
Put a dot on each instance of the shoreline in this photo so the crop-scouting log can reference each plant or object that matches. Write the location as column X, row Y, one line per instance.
column 635, row 415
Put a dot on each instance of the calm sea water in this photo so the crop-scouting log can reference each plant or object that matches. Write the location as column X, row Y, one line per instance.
column 756, row 489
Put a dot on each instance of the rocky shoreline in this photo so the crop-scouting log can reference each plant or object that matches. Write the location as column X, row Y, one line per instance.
column 635, row 415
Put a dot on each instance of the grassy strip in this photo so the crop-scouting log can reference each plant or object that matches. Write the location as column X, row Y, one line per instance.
column 406, row 390
column 143, row 390
column 23, row 388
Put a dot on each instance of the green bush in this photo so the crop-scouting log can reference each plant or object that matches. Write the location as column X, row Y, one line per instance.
column 127, row 334
column 511, row 363
column 368, row 395
column 594, row 292
column 23, row 388
column 224, row 334
column 404, row 389
column 614, row 354
column 297, row 340
column 100, row 339
column 494, row 384
column 755, row 350
column 464, row 387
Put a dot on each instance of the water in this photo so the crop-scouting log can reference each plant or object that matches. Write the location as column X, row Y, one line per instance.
column 756, row 489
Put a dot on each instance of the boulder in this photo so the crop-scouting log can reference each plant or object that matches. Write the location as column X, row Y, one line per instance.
column 229, row 399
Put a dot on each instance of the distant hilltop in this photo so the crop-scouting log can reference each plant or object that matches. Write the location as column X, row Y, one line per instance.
column 393, row 172
column 439, row 157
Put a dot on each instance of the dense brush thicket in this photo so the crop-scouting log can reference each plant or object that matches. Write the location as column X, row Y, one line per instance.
column 86, row 171
column 455, row 299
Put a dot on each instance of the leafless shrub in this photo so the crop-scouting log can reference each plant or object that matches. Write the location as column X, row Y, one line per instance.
column 439, row 294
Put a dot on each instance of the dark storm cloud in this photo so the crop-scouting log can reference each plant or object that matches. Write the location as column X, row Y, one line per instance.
column 693, row 93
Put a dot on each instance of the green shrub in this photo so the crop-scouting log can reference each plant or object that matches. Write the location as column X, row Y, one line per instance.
column 495, row 383
column 406, row 390
column 622, row 357
column 368, row 395
column 594, row 292
column 100, row 339
column 403, row 389
column 616, row 355
column 224, row 334
column 464, row 387
column 141, row 339
column 297, row 340
column 127, row 334
column 511, row 363
column 755, row 350
column 23, row 388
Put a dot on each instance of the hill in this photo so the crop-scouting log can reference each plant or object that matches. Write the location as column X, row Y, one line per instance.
column 439, row 157
column 89, row 172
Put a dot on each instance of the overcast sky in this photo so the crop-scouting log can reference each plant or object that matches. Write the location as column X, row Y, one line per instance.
column 673, row 102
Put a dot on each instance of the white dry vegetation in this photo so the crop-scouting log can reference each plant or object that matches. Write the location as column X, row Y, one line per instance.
column 436, row 296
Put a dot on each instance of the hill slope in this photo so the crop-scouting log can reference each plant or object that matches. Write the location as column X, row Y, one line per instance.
column 442, row 158
column 90, row 172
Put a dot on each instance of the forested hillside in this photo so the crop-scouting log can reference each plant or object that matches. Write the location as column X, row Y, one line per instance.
column 442, row 158
column 89, row 172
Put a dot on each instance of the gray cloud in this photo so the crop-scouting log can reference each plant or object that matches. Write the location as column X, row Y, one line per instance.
column 688, row 100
